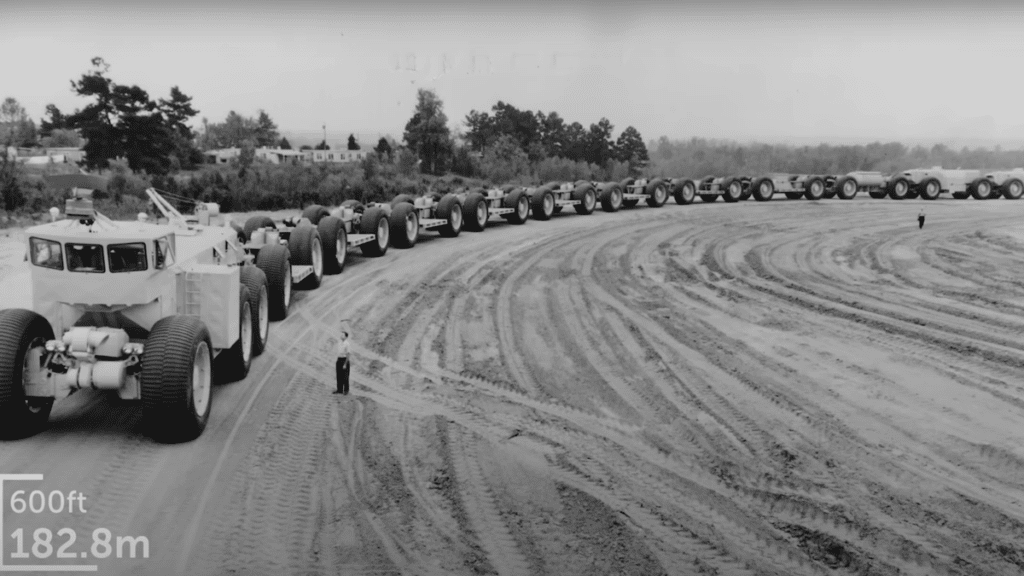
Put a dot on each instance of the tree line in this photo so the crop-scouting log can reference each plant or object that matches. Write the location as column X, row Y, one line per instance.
column 700, row 157
column 509, row 143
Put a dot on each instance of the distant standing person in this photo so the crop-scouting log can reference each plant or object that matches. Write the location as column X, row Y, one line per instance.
column 342, row 365
column 920, row 220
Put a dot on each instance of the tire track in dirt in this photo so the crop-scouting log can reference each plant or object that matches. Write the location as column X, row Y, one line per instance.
column 483, row 514
column 513, row 361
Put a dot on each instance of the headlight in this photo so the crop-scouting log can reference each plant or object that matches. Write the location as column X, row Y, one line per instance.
column 132, row 348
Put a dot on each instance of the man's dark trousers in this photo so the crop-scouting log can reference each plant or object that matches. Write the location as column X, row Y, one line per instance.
column 341, row 366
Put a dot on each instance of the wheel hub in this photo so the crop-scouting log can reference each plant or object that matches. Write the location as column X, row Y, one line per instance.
column 287, row 285
column 245, row 323
column 201, row 379
column 481, row 213
column 318, row 258
column 383, row 233
column 456, row 217
column 264, row 313
column 549, row 203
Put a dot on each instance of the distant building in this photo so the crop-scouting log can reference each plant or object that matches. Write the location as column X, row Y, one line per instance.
column 280, row 156
column 222, row 156
column 334, row 155
column 60, row 155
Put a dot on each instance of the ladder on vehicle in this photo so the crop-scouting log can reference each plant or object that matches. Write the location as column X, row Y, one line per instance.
column 193, row 290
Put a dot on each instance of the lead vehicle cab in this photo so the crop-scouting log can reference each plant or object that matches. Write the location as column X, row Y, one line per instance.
column 137, row 308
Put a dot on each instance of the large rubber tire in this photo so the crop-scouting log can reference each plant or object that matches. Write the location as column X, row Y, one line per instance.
column 315, row 213
column 542, row 203
column 794, row 195
column 996, row 192
column 814, row 188
column 21, row 331
column 929, row 189
column 830, row 193
column 657, row 193
column 899, row 188
column 275, row 261
column 1012, row 189
column 233, row 364
column 449, row 208
column 405, row 225
column 846, row 188
column 609, row 195
column 629, row 202
column 764, row 189
column 984, row 193
column 962, row 195
column 733, row 190
column 375, row 221
column 587, row 196
column 402, row 198
column 255, row 222
column 708, row 197
column 259, row 303
column 176, row 379
column 476, row 212
column 877, row 194
column 334, row 243
column 355, row 205
column 683, row 191
column 307, row 249
column 519, row 200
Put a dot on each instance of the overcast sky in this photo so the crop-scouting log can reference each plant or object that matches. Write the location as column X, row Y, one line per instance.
column 795, row 71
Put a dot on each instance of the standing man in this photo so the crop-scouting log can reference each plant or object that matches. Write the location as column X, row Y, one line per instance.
column 341, row 366
column 920, row 219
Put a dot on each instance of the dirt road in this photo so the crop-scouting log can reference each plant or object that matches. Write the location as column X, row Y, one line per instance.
column 781, row 388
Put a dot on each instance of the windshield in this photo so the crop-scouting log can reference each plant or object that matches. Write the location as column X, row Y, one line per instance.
column 85, row 257
column 127, row 257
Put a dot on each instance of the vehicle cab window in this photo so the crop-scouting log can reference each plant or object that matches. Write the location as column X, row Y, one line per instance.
column 85, row 257
column 47, row 253
column 127, row 257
